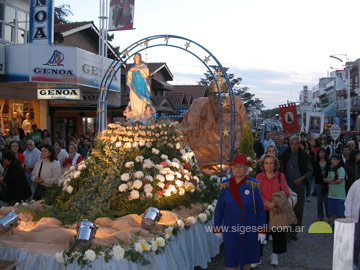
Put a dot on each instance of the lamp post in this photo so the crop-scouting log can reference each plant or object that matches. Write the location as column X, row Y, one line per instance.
column 348, row 66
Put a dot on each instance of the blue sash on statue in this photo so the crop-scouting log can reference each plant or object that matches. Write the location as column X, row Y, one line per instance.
column 140, row 86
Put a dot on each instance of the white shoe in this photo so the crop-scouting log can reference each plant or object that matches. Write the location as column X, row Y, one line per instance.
column 255, row 265
column 274, row 259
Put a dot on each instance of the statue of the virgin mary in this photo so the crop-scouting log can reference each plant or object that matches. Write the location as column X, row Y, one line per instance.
column 138, row 80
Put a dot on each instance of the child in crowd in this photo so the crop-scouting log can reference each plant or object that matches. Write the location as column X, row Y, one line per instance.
column 336, row 198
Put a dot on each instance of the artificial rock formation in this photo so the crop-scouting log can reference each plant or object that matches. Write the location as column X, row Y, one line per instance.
column 201, row 129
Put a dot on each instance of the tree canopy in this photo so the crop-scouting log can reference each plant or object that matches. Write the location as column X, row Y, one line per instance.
column 249, row 100
column 60, row 14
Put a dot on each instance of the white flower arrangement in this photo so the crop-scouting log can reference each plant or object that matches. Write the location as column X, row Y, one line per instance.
column 155, row 151
column 81, row 167
column 90, row 255
column 118, row 252
column 191, row 220
column 135, row 144
column 123, row 187
column 139, row 159
column 179, row 183
column 168, row 232
column 158, row 242
column 170, row 177
column 127, row 145
column 178, row 175
column 148, row 188
column 59, row 256
column 77, row 174
column 137, row 184
column 175, row 165
column 72, row 168
column 134, row 195
column 149, row 195
column 69, row 189
column 202, row 217
column 149, row 178
column 177, row 146
column 118, row 144
column 148, row 144
column 142, row 143
column 180, row 223
column 158, row 167
column 141, row 246
column 161, row 185
column 129, row 164
column 181, row 191
column 160, row 177
column 139, row 174
column 163, row 156
column 125, row 177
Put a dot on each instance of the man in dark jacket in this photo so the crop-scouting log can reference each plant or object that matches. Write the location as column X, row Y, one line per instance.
column 17, row 188
column 297, row 167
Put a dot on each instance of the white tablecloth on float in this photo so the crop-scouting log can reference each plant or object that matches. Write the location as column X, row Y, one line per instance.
column 190, row 248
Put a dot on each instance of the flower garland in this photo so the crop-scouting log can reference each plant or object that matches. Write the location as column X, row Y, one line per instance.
column 137, row 250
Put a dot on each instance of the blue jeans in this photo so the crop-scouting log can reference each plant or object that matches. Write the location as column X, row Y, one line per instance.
column 357, row 242
column 321, row 201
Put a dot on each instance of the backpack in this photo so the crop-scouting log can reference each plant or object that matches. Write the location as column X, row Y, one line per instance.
column 293, row 196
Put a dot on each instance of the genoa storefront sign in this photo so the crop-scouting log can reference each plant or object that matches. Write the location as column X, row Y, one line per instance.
column 67, row 94
column 56, row 64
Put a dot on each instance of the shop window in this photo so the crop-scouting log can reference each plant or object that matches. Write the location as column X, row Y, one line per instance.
column 16, row 114
column 21, row 19
column 66, row 126
column 9, row 14
column 9, row 33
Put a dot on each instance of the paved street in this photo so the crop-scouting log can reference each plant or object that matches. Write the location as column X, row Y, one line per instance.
column 311, row 251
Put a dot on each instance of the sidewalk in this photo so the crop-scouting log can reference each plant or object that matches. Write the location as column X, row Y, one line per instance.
column 310, row 252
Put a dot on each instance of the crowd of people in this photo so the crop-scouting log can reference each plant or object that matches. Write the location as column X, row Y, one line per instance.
column 301, row 165
column 30, row 164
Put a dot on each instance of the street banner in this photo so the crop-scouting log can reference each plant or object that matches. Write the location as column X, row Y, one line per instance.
column 289, row 117
column 315, row 123
column 335, row 131
column 121, row 15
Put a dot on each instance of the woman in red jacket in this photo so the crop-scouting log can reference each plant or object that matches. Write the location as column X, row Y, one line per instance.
column 271, row 181
column 15, row 147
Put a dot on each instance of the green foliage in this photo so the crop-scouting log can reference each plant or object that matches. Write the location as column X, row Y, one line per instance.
column 247, row 142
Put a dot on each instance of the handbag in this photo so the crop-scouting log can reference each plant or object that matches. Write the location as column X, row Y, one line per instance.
column 40, row 189
column 293, row 196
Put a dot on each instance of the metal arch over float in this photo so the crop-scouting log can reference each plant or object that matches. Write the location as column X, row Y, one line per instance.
column 163, row 40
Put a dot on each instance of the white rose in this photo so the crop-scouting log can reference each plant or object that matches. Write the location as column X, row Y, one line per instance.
column 137, row 184
column 160, row 177
column 81, row 167
column 139, row 159
column 211, row 208
column 147, row 166
column 125, row 177
column 127, row 145
column 177, row 146
column 149, row 178
column 90, row 255
column 176, row 160
column 155, row 151
column 196, row 179
column 118, row 144
column 161, row 185
column 158, row 167
column 148, row 195
column 202, row 217
column 181, row 191
column 179, row 183
column 135, row 144
column 148, row 144
column 178, row 175
column 139, row 174
column 134, row 194
column 118, row 252
column 123, row 187
column 180, row 223
column 164, row 156
column 182, row 151
column 77, row 174
column 168, row 162
column 175, row 165
column 72, row 168
column 170, row 177
column 129, row 164
column 192, row 220
column 141, row 142
column 60, row 257
column 69, row 189
column 148, row 188
column 168, row 232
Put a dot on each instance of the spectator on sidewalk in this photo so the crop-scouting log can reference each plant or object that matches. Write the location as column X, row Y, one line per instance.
column 336, row 180
column 352, row 211
column 321, row 166
column 345, row 154
column 269, row 180
column 32, row 156
column 35, row 135
column 15, row 148
column 45, row 137
column 280, row 144
column 297, row 168
column 352, row 168
column 60, row 153
column 73, row 158
column 85, row 148
column 267, row 140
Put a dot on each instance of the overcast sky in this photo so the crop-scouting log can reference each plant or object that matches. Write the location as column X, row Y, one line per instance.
column 276, row 46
